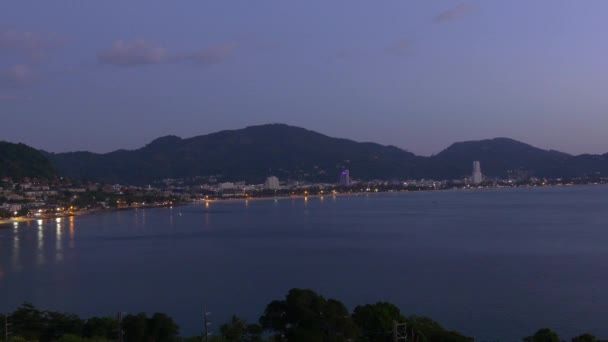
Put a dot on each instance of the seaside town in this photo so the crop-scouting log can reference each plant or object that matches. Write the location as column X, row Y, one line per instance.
column 42, row 198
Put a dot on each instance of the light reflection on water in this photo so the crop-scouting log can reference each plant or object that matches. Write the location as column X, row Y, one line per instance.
column 45, row 238
column 72, row 232
column 40, row 251
column 58, row 241
column 46, row 241
column 16, row 259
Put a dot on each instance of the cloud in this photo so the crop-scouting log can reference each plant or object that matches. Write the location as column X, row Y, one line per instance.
column 34, row 45
column 139, row 52
column 211, row 55
column 400, row 48
column 134, row 53
column 17, row 76
column 453, row 13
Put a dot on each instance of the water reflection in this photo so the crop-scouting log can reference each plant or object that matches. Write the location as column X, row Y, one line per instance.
column 72, row 231
column 16, row 243
column 58, row 241
column 40, row 251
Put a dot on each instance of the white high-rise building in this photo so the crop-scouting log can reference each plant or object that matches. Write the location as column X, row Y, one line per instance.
column 272, row 183
column 477, row 177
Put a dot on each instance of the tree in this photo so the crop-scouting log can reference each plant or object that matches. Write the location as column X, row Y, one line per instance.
column 28, row 322
column 5, row 213
column 238, row 330
column 104, row 327
column 543, row 335
column 426, row 329
column 162, row 328
column 307, row 316
column 275, row 318
column 134, row 327
column 159, row 327
column 18, row 339
column 585, row 338
column 33, row 324
column 76, row 338
column 59, row 324
column 2, row 331
column 23, row 212
column 375, row 321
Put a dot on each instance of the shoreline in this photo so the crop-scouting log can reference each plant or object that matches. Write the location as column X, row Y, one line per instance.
column 4, row 223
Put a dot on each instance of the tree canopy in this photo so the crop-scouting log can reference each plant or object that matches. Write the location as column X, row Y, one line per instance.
column 303, row 315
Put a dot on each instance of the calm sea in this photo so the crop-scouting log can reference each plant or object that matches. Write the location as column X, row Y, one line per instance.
column 494, row 264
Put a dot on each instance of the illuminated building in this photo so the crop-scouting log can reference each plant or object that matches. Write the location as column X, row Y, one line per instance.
column 345, row 178
column 476, row 177
column 272, row 183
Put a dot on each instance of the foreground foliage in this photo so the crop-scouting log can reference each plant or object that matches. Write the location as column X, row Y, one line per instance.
column 302, row 315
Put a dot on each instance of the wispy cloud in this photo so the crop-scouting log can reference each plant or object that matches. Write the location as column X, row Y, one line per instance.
column 35, row 45
column 453, row 13
column 400, row 48
column 17, row 76
column 211, row 55
column 135, row 53
column 139, row 52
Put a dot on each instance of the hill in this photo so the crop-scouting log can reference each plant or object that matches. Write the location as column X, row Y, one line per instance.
column 253, row 153
column 249, row 154
column 499, row 157
column 19, row 161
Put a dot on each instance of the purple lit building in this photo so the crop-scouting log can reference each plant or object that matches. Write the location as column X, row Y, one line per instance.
column 345, row 178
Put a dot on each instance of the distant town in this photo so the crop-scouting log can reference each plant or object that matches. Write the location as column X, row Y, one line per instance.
column 42, row 198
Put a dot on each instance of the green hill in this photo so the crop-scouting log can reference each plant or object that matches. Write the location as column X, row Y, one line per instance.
column 249, row 154
column 288, row 152
column 18, row 161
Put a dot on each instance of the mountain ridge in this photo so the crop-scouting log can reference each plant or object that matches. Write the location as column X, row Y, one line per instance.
column 254, row 152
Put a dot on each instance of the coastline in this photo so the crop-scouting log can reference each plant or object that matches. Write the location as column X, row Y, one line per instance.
column 4, row 223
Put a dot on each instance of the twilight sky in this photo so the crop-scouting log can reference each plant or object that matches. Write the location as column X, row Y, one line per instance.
column 103, row 75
